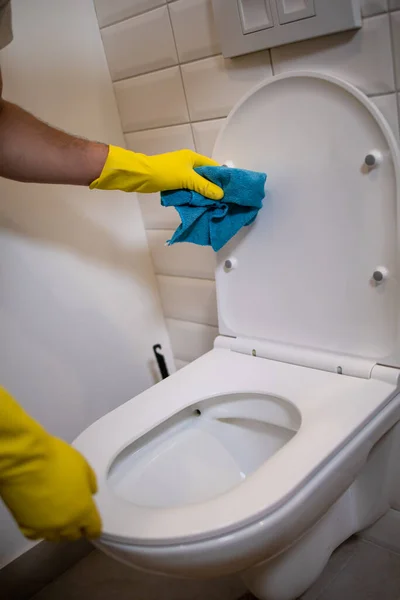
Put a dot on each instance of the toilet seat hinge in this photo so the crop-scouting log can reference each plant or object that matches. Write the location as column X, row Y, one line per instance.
column 353, row 366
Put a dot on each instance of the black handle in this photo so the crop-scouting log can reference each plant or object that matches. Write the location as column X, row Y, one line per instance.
column 162, row 365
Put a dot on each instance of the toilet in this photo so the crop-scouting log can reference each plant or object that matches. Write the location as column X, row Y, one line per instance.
column 265, row 454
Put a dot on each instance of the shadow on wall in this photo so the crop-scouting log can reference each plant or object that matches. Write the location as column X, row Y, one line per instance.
column 55, row 221
column 78, row 308
column 70, row 268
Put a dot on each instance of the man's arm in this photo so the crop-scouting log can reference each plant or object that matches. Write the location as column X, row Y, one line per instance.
column 35, row 152
column 31, row 150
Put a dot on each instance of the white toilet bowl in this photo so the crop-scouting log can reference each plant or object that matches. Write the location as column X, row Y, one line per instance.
column 265, row 454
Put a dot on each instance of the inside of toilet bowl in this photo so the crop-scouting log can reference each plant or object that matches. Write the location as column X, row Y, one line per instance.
column 203, row 451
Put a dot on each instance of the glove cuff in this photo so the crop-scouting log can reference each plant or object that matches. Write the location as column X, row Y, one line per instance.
column 123, row 170
column 21, row 437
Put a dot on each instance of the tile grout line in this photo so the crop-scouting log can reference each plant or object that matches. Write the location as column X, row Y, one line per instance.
column 194, row 145
column 187, row 321
column 181, row 63
column 195, row 122
column 157, row 274
column 392, row 48
column 182, row 80
column 193, row 322
column 221, row 117
column 186, row 277
column 380, row 546
column 139, row 14
column 157, row 127
column 177, row 64
column 167, row 4
column 137, row 75
column 394, row 66
column 340, row 570
column 380, row 94
column 197, row 60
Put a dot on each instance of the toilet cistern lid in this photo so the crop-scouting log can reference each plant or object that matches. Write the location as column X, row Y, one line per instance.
column 318, row 268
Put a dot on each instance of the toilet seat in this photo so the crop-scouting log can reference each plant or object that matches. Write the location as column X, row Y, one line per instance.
column 329, row 421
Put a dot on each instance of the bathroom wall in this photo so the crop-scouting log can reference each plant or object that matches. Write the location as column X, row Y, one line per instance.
column 174, row 89
column 79, row 310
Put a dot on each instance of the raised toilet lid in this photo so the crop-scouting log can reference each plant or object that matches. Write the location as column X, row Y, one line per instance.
column 302, row 273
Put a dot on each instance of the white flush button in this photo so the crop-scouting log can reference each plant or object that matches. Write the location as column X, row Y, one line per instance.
column 295, row 10
column 255, row 15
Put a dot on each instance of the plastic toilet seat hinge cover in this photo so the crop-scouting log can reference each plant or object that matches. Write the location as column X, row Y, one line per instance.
column 353, row 366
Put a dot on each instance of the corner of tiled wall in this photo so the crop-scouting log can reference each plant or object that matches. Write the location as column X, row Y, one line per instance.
column 174, row 90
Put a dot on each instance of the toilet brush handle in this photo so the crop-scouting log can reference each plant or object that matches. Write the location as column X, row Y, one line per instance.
column 162, row 365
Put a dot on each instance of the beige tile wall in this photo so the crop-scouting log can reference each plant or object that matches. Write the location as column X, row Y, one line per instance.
column 174, row 90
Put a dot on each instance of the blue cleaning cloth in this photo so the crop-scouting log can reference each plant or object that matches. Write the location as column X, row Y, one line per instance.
column 214, row 223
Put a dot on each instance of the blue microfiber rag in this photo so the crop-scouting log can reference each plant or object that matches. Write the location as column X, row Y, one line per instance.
column 211, row 222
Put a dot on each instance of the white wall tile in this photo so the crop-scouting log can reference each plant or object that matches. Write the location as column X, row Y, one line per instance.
column 205, row 133
column 190, row 340
column 188, row 299
column 395, row 17
column 388, row 106
column 373, row 7
column 156, row 216
column 386, row 531
column 398, row 110
column 157, row 141
column 214, row 85
column 153, row 109
column 151, row 100
column 364, row 57
column 179, row 364
column 111, row 11
column 182, row 260
column 194, row 29
column 140, row 44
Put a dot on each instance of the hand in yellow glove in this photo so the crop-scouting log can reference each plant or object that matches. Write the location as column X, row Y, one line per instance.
column 45, row 483
column 132, row 172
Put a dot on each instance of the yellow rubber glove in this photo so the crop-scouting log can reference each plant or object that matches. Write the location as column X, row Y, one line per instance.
column 132, row 172
column 45, row 483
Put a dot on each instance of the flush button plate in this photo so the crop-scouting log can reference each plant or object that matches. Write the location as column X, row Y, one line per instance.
column 295, row 10
column 245, row 26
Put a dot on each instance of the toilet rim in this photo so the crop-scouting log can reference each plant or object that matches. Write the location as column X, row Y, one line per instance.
column 241, row 549
column 290, row 468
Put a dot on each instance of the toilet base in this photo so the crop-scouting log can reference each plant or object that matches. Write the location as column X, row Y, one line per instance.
column 290, row 573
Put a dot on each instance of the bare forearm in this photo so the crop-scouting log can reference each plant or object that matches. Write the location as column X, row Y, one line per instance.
column 32, row 151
